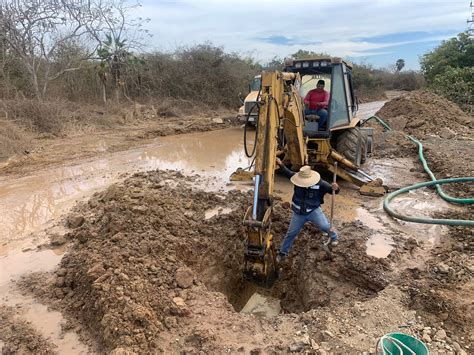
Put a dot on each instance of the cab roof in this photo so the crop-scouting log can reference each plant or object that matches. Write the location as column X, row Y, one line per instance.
column 333, row 60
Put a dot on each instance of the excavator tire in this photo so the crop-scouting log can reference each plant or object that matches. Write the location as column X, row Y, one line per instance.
column 365, row 147
column 349, row 144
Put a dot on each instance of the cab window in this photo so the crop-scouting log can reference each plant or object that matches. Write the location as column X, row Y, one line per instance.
column 255, row 84
column 338, row 112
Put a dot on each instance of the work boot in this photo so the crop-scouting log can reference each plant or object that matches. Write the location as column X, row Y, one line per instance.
column 280, row 257
column 334, row 242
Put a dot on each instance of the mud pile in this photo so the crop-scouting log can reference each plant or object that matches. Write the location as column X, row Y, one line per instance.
column 422, row 113
column 443, row 128
column 147, row 270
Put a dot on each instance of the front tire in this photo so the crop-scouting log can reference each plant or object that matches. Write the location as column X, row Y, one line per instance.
column 349, row 144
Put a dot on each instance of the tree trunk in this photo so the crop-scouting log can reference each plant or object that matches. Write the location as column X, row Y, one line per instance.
column 104, row 95
column 34, row 82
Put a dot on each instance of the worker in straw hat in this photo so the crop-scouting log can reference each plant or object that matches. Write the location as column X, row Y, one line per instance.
column 308, row 196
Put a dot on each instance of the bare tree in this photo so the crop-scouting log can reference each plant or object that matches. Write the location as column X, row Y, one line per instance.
column 36, row 31
column 53, row 37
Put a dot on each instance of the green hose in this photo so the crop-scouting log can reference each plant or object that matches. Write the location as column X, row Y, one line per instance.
column 448, row 222
column 436, row 183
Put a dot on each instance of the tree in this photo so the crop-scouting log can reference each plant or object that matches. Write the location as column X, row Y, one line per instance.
column 400, row 64
column 305, row 54
column 53, row 37
column 39, row 31
column 457, row 52
column 448, row 69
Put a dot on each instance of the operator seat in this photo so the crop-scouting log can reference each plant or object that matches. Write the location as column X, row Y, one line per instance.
column 311, row 128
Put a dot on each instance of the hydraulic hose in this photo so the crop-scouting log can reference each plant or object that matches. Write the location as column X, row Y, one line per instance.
column 246, row 125
column 436, row 183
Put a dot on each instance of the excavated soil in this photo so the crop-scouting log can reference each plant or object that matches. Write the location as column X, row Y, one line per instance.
column 145, row 266
column 19, row 337
column 445, row 131
column 424, row 115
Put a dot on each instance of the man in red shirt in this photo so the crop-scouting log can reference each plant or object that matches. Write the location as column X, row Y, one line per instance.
column 317, row 101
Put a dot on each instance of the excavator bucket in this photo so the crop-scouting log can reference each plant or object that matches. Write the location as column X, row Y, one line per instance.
column 260, row 266
column 373, row 188
column 242, row 175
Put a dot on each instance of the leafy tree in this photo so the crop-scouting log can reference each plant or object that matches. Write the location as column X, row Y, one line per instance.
column 456, row 84
column 400, row 64
column 448, row 69
column 457, row 52
column 304, row 54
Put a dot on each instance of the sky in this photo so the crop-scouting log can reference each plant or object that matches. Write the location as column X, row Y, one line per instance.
column 377, row 32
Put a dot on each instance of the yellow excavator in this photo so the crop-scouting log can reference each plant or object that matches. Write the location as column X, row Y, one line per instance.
column 283, row 130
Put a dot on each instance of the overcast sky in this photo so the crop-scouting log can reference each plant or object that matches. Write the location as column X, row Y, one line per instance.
column 377, row 32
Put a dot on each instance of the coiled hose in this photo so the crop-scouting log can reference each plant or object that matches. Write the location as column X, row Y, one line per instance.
column 436, row 183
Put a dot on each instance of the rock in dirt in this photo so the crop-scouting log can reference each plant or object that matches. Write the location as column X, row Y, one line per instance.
column 446, row 133
column 57, row 240
column 184, row 277
column 440, row 334
column 75, row 221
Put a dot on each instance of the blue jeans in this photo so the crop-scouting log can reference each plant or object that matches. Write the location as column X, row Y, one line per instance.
column 323, row 117
column 316, row 217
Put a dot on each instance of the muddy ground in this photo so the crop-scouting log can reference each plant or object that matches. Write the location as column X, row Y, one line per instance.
column 154, row 263
column 140, row 125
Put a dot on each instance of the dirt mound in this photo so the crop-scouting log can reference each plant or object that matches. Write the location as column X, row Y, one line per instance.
column 146, row 264
column 18, row 337
column 422, row 113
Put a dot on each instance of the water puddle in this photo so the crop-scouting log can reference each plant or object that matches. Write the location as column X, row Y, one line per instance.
column 15, row 263
column 262, row 306
column 216, row 211
column 380, row 244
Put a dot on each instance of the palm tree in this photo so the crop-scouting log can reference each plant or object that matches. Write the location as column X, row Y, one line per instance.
column 400, row 64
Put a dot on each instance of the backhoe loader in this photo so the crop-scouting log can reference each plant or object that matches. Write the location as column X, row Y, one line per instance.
column 283, row 130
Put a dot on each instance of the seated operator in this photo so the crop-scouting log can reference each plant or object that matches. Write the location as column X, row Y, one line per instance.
column 316, row 101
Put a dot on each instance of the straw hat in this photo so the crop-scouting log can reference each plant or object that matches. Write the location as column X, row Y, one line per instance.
column 305, row 177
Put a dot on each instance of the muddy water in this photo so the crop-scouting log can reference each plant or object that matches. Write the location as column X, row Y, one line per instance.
column 262, row 306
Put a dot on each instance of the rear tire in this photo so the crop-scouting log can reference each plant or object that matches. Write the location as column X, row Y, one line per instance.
column 365, row 148
column 349, row 144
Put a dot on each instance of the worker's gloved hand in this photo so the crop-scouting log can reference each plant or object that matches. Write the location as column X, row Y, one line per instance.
column 279, row 162
column 335, row 186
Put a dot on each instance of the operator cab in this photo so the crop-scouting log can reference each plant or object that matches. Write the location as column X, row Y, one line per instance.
column 337, row 75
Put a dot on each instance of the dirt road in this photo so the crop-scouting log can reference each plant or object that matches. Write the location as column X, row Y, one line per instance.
column 360, row 308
